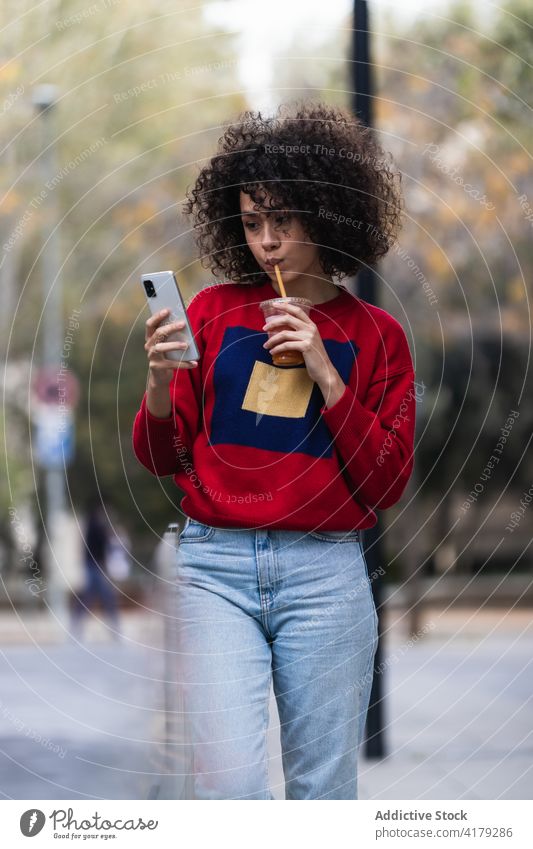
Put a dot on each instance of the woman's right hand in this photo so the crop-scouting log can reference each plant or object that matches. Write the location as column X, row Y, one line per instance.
column 161, row 368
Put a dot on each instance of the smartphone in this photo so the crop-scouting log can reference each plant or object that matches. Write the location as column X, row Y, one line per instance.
column 162, row 292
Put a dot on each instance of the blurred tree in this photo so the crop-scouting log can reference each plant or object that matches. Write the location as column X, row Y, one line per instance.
column 453, row 104
column 143, row 92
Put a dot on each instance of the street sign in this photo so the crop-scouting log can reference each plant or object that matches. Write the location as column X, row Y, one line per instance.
column 56, row 385
column 54, row 436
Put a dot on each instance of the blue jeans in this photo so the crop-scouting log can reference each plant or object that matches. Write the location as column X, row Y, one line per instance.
column 295, row 609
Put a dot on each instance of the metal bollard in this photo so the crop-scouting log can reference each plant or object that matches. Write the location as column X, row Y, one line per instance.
column 177, row 780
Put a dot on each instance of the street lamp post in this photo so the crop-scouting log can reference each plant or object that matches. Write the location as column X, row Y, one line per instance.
column 366, row 281
column 44, row 98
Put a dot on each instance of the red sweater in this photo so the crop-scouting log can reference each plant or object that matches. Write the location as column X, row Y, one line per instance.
column 253, row 445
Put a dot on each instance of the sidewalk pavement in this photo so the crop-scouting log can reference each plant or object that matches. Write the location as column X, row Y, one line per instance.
column 459, row 709
column 87, row 721
column 78, row 721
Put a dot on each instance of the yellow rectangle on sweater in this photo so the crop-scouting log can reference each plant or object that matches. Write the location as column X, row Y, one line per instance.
column 278, row 391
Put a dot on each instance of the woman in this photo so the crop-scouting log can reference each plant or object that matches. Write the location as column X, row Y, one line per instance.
column 282, row 467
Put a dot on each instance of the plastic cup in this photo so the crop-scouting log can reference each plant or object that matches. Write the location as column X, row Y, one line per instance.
column 270, row 309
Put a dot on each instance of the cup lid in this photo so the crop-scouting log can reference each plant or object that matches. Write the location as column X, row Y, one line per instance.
column 291, row 298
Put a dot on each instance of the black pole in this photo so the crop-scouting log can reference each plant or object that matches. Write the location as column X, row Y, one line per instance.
column 366, row 282
column 362, row 71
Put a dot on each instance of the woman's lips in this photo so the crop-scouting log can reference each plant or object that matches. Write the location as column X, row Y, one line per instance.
column 272, row 263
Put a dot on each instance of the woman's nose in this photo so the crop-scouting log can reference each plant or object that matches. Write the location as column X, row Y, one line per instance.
column 269, row 238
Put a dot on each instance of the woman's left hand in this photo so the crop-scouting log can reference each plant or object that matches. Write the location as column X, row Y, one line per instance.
column 305, row 337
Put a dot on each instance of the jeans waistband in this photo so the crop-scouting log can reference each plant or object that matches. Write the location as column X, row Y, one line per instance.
column 355, row 532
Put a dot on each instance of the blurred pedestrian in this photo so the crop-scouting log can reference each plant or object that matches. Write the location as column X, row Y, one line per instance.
column 118, row 563
column 98, row 588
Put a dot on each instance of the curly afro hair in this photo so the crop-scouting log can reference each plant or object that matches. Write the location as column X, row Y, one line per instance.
column 317, row 161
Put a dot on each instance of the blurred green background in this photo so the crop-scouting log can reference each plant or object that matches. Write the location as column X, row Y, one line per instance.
column 144, row 90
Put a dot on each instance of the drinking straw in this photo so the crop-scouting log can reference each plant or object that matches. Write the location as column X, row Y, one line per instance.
column 280, row 281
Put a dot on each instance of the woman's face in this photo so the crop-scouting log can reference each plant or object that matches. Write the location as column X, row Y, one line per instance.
column 275, row 237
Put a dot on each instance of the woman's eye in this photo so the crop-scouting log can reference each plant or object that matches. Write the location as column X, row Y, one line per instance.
column 282, row 219
column 250, row 226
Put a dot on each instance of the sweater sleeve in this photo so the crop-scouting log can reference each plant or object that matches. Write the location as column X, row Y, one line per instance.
column 162, row 445
column 375, row 439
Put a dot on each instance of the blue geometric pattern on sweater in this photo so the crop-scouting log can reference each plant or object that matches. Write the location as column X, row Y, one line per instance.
column 241, row 348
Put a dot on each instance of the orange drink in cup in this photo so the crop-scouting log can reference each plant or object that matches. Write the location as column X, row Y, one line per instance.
column 270, row 309
column 284, row 358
